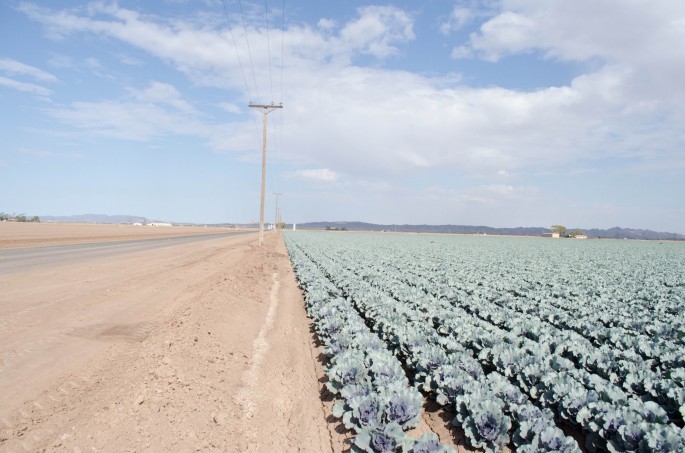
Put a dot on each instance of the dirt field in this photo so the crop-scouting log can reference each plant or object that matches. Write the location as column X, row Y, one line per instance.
column 195, row 347
column 16, row 234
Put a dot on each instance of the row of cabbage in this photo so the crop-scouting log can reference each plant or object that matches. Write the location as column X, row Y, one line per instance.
column 510, row 365
column 374, row 396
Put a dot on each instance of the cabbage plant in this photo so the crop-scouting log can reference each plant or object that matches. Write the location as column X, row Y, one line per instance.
column 487, row 427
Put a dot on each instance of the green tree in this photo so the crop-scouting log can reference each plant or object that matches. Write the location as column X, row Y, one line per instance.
column 575, row 233
column 35, row 218
column 20, row 218
column 559, row 229
column 4, row 216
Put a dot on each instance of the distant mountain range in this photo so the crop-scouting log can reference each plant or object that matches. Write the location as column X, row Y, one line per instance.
column 615, row 233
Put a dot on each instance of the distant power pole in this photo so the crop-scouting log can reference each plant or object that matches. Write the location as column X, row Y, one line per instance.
column 276, row 215
column 265, row 109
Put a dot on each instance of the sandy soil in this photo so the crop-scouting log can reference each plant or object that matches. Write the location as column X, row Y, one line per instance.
column 196, row 347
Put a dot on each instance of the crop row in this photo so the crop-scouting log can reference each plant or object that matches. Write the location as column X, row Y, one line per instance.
column 375, row 399
column 510, row 377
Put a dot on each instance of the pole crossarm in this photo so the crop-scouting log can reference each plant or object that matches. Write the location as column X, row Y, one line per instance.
column 266, row 108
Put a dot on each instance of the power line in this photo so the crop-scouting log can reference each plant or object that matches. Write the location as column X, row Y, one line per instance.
column 240, row 63
column 268, row 47
column 254, row 76
column 282, row 49
column 280, row 117
column 274, row 155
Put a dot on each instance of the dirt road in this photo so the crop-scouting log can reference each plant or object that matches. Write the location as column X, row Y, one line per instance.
column 199, row 346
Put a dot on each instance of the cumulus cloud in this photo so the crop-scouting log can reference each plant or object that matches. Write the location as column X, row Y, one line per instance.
column 375, row 122
column 465, row 13
column 377, row 30
column 590, row 30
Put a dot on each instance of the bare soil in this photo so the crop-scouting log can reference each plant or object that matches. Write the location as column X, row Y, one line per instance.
column 196, row 347
column 27, row 234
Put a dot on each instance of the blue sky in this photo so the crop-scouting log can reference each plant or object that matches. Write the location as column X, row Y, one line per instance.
column 500, row 113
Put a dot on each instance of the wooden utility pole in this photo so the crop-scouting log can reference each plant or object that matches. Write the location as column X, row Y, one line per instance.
column 265, row 109
column 276, row 219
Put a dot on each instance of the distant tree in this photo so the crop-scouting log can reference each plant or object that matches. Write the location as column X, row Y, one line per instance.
column 35, row 218
column 4, row 216
column 280, row 225
column 575, row 233
column 559, row 229
column 20, row 218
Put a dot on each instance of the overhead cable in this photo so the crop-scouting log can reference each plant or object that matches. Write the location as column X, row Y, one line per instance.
column 254, row 76
column 240, row 63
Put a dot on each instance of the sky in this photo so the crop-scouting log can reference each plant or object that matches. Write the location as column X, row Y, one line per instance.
column 500, row 113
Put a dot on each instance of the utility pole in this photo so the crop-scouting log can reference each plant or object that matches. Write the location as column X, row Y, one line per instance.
column 265, row 109
column 276, row 215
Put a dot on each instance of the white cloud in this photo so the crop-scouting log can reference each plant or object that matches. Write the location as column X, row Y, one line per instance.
column 461, row 52
column 465, row 13
column 143, row 115
column 317, row 175
column 375, row 122
column 377, row 30
column 88, row 65
column 164, row 94
column 25, row 87
column 14, row 67
column 589, row 30
column 208, row 55
column 230, row 107
column 459, row 17
column 326, row 24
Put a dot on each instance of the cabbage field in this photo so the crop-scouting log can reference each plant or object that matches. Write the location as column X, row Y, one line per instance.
column 533, row 344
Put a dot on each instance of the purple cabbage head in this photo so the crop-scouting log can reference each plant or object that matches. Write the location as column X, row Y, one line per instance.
column 487, row 426
column 404, row 407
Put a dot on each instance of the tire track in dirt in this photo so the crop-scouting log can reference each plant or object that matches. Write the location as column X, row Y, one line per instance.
column 283, row 392
column 250, row 379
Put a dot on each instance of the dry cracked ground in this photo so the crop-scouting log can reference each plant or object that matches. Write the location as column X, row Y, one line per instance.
column 161, row 344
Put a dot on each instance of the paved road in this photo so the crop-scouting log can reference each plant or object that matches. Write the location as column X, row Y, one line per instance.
column 17, row 260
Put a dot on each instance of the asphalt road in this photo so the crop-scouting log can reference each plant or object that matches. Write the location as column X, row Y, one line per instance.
column 17, row 260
